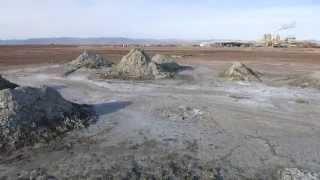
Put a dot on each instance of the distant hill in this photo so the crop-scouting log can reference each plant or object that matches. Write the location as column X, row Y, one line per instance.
column 86, row 41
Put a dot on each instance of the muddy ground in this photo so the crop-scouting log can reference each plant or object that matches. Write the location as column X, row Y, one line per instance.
column 196, row 125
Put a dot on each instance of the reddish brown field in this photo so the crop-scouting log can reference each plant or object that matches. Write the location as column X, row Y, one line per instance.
column 31, row 55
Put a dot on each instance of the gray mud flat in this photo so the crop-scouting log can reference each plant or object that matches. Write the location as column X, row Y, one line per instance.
column 195, row 126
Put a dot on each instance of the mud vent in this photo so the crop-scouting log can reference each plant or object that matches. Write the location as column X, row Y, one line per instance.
column 164, row 66
column 296, row 174
column 311, row 80
column 241, row 72
column 31, row 115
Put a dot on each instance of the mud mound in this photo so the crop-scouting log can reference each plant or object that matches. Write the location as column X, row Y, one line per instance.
column 164, row 66
column 30, row 115
column 138, row 65
column 87, row 60
column 311, row 80
column 5, row 84
column 240, row 72
column 134, row 65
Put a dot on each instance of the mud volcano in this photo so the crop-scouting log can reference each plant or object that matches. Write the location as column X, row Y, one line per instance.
column 88, row 61
column 31, row 115
column 241, row 72
column 138, row 65
column 5, row 84
column 135, row 65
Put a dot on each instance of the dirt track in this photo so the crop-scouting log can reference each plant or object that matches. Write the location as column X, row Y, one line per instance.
column 196, row 124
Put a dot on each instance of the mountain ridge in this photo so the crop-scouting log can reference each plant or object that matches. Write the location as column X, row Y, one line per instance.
column 84, row 41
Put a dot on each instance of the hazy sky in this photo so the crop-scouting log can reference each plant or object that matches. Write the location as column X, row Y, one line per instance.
column 183, row 19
